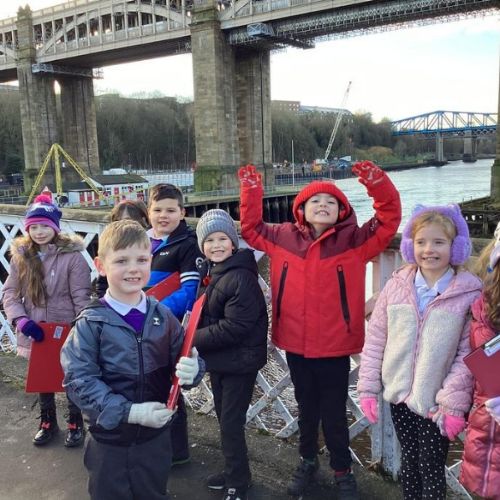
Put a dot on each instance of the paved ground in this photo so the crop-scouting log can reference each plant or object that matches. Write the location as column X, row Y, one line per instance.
column 57, row 473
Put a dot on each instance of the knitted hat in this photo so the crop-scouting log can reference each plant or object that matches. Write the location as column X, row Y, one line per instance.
column 316, row 187
column 495, row 251
column 460, row 247
column 43, row 211
column 213, row 221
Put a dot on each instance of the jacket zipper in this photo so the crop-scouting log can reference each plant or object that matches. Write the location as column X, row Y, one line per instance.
column 138, row 338
column 488, row 460
column 343, row 297
column 281, row 290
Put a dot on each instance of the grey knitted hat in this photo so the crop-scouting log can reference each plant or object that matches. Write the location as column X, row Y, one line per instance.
column 213, row 221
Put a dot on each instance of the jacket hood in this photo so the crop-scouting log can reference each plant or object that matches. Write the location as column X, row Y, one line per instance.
column 464, row 281
column 65, row 243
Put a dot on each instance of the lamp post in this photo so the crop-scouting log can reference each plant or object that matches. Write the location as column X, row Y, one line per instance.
column 293, row 167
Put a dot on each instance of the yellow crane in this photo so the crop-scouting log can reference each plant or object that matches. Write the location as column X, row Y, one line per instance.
column 55, row 153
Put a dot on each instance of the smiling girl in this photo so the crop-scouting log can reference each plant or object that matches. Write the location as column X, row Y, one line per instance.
column 49, row 281
column 417, row 338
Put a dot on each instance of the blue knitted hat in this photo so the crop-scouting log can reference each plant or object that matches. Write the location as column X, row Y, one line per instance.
column 43, row 211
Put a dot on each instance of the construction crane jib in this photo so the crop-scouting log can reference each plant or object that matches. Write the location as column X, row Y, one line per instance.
column 337, row 122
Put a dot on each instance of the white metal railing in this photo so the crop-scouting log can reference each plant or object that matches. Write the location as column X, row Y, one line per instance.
column 273, row 408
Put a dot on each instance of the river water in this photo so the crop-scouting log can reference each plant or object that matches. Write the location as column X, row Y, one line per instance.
column 452, row 183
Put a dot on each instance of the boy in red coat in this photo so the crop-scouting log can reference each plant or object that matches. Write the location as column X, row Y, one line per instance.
column 318, row 269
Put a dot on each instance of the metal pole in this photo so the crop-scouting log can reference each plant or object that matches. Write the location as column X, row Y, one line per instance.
column 293, row 167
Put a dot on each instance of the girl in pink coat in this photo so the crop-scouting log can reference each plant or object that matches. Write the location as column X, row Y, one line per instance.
column 417, row 338
column 49, row 281
column 480, row 472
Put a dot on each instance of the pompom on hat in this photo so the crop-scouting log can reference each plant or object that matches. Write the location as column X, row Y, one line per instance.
column 461, row 246
column 316, row 187
column 213, row 221
column 43, row 211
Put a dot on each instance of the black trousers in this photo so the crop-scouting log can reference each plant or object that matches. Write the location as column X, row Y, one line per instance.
column 321, row 392
column 179, row 426
column 47, row 401
column 423, row 455
column 135, row 472
column 232, row 396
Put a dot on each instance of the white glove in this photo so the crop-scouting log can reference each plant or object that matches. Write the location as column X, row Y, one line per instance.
column 150, row 414
column 493, row 407
column 187, row 368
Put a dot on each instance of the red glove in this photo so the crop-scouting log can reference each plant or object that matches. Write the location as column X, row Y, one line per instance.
column 368, row 173
column 249, row 177
column 369, row 406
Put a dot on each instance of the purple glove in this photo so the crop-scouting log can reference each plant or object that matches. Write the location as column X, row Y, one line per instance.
column 369, row 406
column 30, row 329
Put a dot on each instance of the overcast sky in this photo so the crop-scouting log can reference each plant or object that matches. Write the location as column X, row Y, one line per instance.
column 396, row 74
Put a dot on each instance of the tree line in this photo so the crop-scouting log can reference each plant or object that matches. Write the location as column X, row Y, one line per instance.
column 154, row 132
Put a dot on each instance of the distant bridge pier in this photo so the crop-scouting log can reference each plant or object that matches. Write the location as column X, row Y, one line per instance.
column 439, row 148
column 74, row 126
column 79, row 123
column 232, row 104
column 495, row 169
column 470, row 147
column 37, row 102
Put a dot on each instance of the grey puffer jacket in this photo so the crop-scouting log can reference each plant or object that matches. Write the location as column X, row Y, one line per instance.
column 67, row 281
column 108, row 367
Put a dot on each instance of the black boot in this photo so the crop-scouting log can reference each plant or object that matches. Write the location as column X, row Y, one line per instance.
column 302, row 477
column 75, row 434
column 48, row 427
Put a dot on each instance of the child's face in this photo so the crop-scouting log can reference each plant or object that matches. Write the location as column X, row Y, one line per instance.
column 41, row 234
column 432, row 248
column 165, row 216
column 321, row 211
column 218, row 247
column 127, row 271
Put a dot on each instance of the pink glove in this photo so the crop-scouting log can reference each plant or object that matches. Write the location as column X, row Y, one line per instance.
column 368, row 173
column 493, row 408
column 369, row 406
column 249, row 177
column 452, row 426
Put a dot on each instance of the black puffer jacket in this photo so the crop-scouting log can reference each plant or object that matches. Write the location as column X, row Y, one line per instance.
column 232, row 337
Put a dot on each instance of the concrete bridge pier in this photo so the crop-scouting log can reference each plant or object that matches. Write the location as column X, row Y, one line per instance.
column 37, row 102
column 78, row 119
column 439, row 148
column 495, row 169
column 232, row 104
column 470, row 148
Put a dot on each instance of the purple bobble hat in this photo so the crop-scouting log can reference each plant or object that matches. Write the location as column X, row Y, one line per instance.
column 43, row 211
column 461, row 246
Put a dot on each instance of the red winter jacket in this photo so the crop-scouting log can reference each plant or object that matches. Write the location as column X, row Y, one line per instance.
column 480, row 472
column 318, row 286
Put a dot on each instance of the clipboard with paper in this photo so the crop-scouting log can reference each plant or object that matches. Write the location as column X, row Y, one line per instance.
column 484, row 363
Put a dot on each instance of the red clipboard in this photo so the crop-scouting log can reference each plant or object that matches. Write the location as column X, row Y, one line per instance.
column 44, row 369
column 190, row 323
column 165, row 287
column 484, row 363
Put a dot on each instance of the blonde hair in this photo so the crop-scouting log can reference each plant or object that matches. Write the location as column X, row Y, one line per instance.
column 120, row 235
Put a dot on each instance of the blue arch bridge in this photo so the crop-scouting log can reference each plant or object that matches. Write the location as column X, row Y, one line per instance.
column 470, row 126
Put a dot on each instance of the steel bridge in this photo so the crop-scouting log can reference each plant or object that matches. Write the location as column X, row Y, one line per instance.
column 90, row 33
column 447, row 123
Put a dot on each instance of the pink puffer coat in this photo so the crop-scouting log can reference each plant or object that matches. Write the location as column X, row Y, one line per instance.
column 480, row 471
column 67, row 280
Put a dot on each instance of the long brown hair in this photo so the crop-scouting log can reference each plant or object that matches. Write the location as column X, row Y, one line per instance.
column 30, row 269
column 491, row 288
